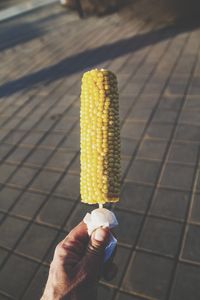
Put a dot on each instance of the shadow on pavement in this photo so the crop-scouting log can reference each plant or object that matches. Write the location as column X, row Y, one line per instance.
column 90, row 58
column 20, row 34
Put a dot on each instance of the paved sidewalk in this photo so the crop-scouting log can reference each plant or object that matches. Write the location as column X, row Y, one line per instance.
column 43, row 56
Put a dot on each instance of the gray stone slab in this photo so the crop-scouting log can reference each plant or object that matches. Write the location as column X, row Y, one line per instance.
column 132, row 130
column 55, row 211
column 148, row 275
column 37, row 285
column 6, row 171
column 170, row 203
column 186, row 283
column 183, row 153
column 161, row 236
column 11, row 230
column 121, row 259
column 8, row 197
column 69, row 187
column 195, row 212
column 28, row 205
column 189, row 133
column 60, row 160
column 144, row 171
column 25, row 270
column 135, row 197
column 23, row 176
column 128, row 230
column 177, row 176
column 3, row 255
column 159, row 131
column 36, row 241
column 152, row 149
column 191, row 247
column 45, row 181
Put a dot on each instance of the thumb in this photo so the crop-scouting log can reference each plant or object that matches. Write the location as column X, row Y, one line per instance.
column 99, row 240
column 97, row 245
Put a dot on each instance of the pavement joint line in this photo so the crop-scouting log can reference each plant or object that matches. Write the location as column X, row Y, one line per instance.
column 149, row 121
column 23, row 8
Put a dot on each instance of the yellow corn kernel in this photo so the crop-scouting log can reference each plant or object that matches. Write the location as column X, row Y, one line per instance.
column 100, row 138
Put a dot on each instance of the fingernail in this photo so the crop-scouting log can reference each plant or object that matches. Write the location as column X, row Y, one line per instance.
column 100, row 234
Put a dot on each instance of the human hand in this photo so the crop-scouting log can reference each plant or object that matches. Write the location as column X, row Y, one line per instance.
column 77, row 265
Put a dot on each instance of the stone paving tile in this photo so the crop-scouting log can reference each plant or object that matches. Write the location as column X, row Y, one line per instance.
column 159, row 131
column 3, row 255
column 60, row 236
column 135, row 197
column 36, row 241
column 122, row 296
column 132, row 130
column 39, row 157
column 160, row 236
column 75, row 166
column 69, row 187
column 17, row 285
column 195, row 211
column 192, row 103
column 105, row 292
column 32, row 138
column 152, row 149
column 72, row 142
column 11, row 230
column 170, row 203
column 183, row 153
column 4, row 150
column 139, row 277
column 37, row 285
column 165, row 116
column 6, row 171
column 55, row 211
column 171, row 102
column 19, row 154
column 51, row 140
column 186, row 283
column 191, row 247
column 189, row 133
column 77, row 215
column 8, row 197
column 144, row 171
column 130, row 221
column 45, row 181
column 23, row 176
column 177, row 176
column 60, row 160
column 121, row 258
column 128, row 146
column 28, row 205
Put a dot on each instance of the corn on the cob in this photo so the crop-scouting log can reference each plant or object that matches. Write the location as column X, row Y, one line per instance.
column 100, row 138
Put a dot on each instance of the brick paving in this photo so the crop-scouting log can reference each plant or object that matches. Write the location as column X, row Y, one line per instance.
column 43, row 55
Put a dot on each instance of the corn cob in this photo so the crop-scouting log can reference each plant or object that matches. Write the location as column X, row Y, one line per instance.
column 100, row 138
